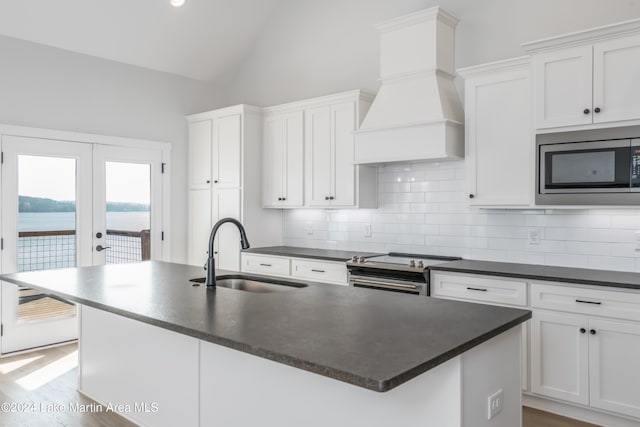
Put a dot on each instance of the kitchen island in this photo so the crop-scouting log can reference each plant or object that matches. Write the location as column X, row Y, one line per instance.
column 162, row 351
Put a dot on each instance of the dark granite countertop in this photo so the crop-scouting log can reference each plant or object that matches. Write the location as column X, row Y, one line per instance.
column 323, row 254
column 372, row 339
column 584, row 276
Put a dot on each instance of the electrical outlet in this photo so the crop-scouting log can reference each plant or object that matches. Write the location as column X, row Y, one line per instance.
column 494, row 404
column 367, row 230
column 533, row 237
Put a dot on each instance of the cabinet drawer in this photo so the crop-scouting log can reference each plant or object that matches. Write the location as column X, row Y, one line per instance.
column 320, row 271
column 599, row 302
column 261, row 264
column 479, row 289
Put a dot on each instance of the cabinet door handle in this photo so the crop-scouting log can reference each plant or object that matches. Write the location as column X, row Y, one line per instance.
column 586, row 111
column 331, row 197
column 471, row 196
column 477, row 289
column 266, row 265
column 208, row 181
column 317, row 271
column 583, row 330
column 597, row 110
column 592, row 332
column 215, row 181
column 284, row 198
column 588, row 302
column 326, row 198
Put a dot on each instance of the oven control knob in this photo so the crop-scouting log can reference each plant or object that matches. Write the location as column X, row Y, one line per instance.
column 412, row 263
column 361, row 259
column 420, row 264
column 354, row 258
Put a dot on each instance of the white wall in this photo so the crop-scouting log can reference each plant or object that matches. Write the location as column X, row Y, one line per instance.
column 51, row 88
column 313, row 48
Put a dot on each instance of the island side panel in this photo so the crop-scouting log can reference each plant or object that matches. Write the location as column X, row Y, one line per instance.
column 493, row 365
column 130, row 363
column 239, row 389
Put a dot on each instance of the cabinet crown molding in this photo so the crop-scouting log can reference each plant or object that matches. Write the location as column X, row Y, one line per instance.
column 226, row 111
column 320, row 101
column 521, row 62
column 584, row 37
column 418, row 17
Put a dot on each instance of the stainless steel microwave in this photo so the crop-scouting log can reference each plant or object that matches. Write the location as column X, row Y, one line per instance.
column 585, row 168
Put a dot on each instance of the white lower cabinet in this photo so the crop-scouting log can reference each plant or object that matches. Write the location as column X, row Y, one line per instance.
column 559, row 359
column 585, row 340
column 581, row 357
column 263, row 264
column 320, row 271
column 332, row 272
column 614, row 377
column 486, row 290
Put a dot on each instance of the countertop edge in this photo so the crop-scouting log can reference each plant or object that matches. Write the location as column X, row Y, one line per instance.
column 549, row 278
column 268, row 251
column 430, row 364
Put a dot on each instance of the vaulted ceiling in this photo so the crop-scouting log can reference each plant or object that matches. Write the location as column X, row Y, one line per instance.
column 204, row 39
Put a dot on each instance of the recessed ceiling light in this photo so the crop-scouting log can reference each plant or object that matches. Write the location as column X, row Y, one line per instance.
column 177, row 3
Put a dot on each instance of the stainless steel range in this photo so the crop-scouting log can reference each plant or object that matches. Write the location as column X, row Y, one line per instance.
column 395, row 272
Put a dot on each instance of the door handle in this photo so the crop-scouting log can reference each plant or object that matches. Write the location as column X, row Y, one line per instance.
column 101, row 248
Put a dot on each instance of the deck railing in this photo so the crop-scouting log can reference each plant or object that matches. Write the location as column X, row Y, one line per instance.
column 38, row 250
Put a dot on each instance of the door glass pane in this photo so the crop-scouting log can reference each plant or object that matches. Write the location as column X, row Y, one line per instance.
column 46, row 229
column 128, row 190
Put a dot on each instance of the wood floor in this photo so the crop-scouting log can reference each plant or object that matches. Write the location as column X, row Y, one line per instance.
column 535, row 418
column 45, row 382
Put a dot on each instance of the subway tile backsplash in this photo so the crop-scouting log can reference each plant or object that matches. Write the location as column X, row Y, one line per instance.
column 423, row 209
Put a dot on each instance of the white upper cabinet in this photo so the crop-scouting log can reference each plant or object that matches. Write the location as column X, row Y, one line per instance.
column 616, row 85
column 318, row 137
column 329, row 141
column 499, row 152
column 226, row 148
column 283, row 159
column 200, row 135
column 589, row 79
column 343, row 172
column 309, row 154
column 563, row 87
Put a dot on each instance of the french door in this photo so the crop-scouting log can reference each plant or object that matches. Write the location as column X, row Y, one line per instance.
column 68, row 204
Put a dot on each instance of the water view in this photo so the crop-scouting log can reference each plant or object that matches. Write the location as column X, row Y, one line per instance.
column 47, row 221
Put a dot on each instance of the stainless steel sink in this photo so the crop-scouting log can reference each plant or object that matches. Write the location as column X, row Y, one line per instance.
column 252, row 284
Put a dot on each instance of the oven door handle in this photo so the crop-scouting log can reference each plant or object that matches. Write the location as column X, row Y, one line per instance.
column 384, row 284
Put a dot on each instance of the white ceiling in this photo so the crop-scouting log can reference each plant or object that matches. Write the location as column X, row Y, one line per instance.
column 203, row 40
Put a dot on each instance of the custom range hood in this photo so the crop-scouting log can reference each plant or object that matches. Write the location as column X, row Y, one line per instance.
column 417, row 114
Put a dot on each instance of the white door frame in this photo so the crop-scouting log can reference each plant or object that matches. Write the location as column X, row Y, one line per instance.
column 110, row 153
column 19, row 336
column 163, row 249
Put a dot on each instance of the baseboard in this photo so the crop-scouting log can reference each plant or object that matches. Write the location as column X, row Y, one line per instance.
column 33, row 349
column 580, row 413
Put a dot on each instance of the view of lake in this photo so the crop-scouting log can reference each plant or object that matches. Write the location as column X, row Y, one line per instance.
column 48, row 221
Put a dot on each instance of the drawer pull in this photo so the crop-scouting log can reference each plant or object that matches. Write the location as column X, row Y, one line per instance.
column 317, row 271
column 266, row 265
column 583, row 330
column 588, row 302
column 477, row 289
